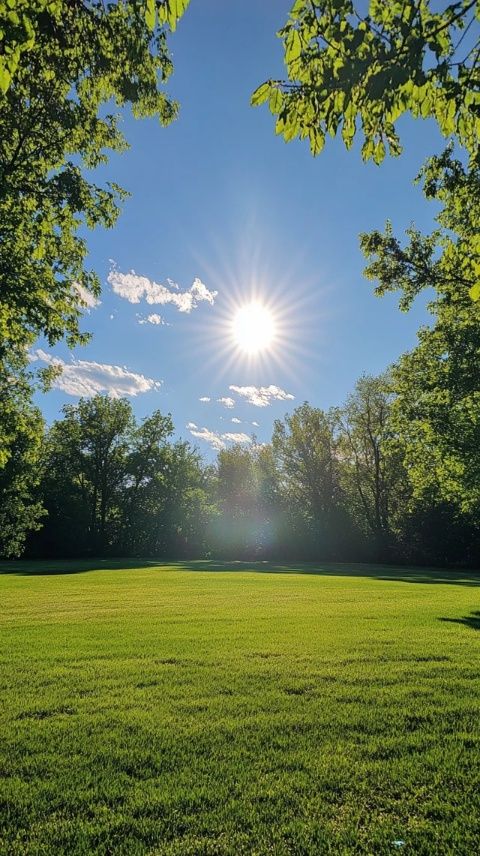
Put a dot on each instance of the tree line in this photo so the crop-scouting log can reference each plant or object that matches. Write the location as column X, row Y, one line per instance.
column 330, row 485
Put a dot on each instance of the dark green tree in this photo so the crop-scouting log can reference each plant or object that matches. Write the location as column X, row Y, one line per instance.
column 436, row 409
column 372, row 474
column 113, row 486
column 86, row 466
column 21, row 441
column 144, row 496
column 189, row 504
column 306, row 450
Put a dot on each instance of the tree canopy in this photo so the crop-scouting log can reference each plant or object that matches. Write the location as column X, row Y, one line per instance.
column 111, row 484
column 349, row 69
column 63, row 68
column 437, row 396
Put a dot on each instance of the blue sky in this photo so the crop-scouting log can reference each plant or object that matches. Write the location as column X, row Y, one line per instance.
column 218, row 197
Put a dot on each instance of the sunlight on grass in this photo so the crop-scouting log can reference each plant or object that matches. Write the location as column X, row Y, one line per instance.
column 179, row 710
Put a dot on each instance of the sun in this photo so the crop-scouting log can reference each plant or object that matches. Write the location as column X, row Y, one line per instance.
column 253, row 328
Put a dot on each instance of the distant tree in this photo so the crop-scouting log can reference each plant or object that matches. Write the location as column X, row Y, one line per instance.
column 190, row 503
column 235, row 479
column 144, row 494
column 63, row 65
column 372, row 473
column 365, row 481
column 86, row 465
column 21, row 440
column 249, row 500
column 307, row 456
column 305, row 450
column 111, row 485
column 435, row 532
column 166, row 500
column 237, row 527
column 368, row 65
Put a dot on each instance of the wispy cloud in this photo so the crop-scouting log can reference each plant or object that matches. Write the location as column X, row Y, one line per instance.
column 135, row 288
column 215, row 439
column 152, row 319
column 87, row 299
column 237, row 421
column 255, row 424
column 262, row 396
column 205, row 399
column 237, row 438
column 211, row 437
column 227, row 401
column 86, row 378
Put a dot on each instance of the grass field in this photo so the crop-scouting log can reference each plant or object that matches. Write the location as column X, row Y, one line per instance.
column 245, row 709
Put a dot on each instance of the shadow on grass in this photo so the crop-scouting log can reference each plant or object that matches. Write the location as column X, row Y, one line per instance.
column 54, row 567
column 393, row 573
column 472, row 621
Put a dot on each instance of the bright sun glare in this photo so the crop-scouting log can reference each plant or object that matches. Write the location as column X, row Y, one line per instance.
column 253, row 328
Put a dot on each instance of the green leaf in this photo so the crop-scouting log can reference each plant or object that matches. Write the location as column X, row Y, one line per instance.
column 150, row 14
column 5, row 78
column 379, row 152
column 367, row 149
column 474, row 291
column 293, row 46
column 297, row 8
column 317, row 141
column 261, row 94
column 291, row 128
column 171, row 11
column 276, row 100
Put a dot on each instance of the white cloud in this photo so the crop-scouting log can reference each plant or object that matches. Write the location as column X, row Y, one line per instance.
column 134, row 288
column 85, row 378
column 152, row 319
column 237, row 438
column 237, row 421
column 216, row 440
column 211, row 437
column 226, row 401
column 205, row 398
column 255, row 424
column 262, row 396
column 87, row 299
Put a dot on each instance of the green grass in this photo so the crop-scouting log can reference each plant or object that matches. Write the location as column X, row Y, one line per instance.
column 245, row 709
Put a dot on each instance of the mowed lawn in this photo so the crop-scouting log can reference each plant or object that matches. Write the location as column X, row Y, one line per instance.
column 238, row 709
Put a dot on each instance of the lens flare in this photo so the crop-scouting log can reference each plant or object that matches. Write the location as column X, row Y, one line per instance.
column 253, row 328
